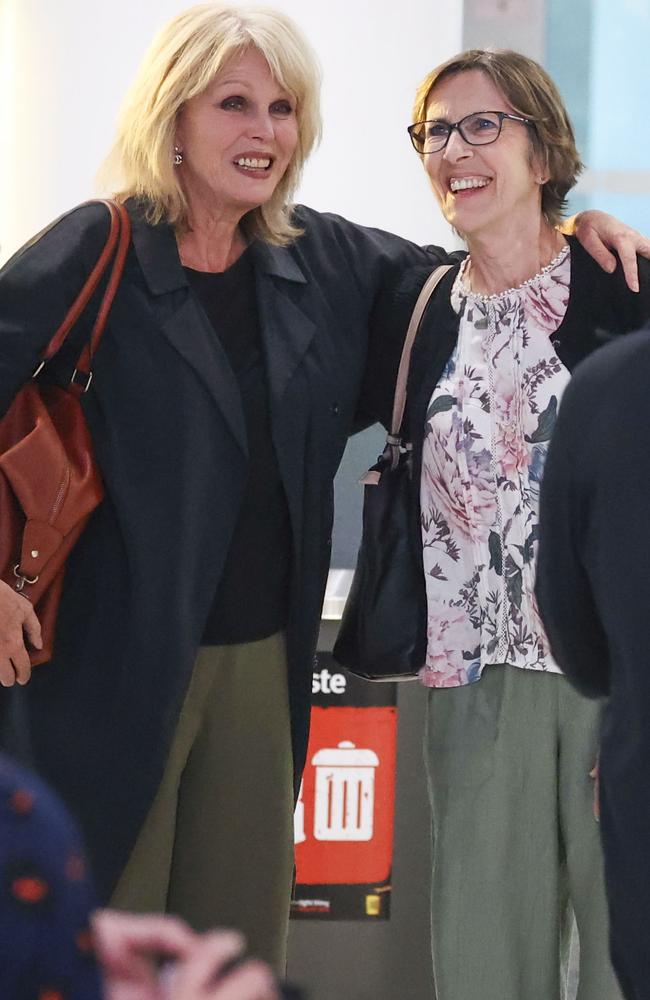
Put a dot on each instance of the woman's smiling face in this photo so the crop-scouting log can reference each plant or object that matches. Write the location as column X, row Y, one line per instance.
column 481, row 187
column 237, row 137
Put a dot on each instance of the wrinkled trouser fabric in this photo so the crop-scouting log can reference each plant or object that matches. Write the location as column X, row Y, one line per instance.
column 516, row 848
column 217, row 845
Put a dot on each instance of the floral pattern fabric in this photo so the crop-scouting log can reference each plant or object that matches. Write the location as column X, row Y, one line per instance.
column 487, row 429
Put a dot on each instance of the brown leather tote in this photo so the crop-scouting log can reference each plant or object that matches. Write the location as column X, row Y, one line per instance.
column 49, row 480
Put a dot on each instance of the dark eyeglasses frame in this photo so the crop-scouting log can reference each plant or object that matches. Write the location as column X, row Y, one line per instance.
column 458, row 126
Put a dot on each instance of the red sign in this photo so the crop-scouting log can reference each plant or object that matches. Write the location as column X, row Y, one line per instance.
column 344, row 818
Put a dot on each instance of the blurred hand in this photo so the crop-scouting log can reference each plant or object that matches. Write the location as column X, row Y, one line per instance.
column 601, row 233
column 129, row 946
column 129, row 949
column 200, row 977
column 18, row 625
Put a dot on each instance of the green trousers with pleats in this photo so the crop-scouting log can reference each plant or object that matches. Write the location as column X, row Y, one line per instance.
column 217, row 845
column 516, row 847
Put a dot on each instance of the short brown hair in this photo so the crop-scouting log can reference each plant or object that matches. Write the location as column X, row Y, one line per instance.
column 532, row 94
column 182, row 60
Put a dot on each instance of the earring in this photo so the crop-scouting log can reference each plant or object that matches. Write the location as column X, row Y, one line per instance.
column 178, row 156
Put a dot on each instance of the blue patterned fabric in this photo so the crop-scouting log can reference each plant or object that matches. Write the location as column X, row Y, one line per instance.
column 46, row 896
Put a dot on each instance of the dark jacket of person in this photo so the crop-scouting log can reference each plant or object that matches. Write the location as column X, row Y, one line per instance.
column 167, row 424
column 593, row 589
column 600, row 306
column 46, row 896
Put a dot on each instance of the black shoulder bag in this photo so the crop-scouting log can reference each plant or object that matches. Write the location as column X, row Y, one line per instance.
column 383, row 633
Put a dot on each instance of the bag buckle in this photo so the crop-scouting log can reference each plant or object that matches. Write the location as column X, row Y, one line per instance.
column 21, row 579
column 87, row 375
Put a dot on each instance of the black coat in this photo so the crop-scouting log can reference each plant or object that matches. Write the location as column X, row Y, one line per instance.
column 594, row 554
column 593, row 588
column 167, row 423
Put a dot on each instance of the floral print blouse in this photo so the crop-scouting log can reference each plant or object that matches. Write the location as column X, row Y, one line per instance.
column 487, row 430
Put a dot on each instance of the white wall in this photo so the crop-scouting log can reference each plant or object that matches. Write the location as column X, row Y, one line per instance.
column 65, row 65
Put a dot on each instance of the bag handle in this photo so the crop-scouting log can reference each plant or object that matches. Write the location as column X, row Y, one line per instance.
column 393, row 440
column 119, row 236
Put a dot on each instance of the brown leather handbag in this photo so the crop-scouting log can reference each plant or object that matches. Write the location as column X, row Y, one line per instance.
column 49, row 480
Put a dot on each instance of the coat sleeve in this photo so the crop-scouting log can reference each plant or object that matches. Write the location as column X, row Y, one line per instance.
column 389, row 320
column 632, row 308
column 564, row 594
column 642, row 297
column 37, row 287
column 383, row 275
column 623, row 311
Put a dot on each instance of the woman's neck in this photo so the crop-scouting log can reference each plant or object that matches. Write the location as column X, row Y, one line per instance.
column 212, row 243
column 507, row 259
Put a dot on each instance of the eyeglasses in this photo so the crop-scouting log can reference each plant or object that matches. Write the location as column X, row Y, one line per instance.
column 478, row 129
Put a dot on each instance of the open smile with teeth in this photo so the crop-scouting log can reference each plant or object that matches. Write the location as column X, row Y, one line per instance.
column 467, row 183
column 252, row 163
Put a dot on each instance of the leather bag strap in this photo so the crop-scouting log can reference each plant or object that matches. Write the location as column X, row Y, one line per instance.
column 115, row 249
column 399, row 400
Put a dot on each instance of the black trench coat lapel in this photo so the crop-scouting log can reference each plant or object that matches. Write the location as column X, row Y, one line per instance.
column 185, row 325
column 189, row 331
column 287, row 333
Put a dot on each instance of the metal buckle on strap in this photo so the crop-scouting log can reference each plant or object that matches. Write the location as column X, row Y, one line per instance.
column 88, row 377
column 21, row 579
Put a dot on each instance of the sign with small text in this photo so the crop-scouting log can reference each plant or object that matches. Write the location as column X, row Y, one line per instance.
column 344, row 817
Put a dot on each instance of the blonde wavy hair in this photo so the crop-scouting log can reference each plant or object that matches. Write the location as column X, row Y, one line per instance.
column 181, row 62
column 532, row 94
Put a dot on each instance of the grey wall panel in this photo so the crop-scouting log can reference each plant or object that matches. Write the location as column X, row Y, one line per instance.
column 505, row 24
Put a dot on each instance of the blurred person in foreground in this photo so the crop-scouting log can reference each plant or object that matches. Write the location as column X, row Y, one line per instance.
column 173, row 717
column 54, row 945
column 509, row 744
column 593, row 588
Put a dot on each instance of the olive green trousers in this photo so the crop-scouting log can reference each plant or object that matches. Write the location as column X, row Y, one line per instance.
column 516, row 847
column 217, row 845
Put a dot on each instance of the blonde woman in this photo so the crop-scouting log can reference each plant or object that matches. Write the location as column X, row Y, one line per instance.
column 174, row 715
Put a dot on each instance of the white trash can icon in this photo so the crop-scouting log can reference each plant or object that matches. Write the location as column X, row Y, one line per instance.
column 345, row 793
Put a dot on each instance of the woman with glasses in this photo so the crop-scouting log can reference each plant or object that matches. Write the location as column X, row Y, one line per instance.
column 510, row 747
